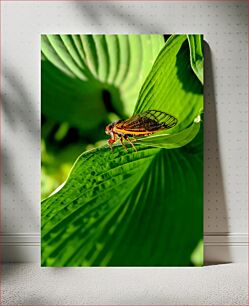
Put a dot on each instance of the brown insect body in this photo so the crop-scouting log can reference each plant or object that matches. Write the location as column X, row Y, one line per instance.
column 143, row 124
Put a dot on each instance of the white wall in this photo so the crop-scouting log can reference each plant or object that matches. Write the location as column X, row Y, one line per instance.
column 224, row 25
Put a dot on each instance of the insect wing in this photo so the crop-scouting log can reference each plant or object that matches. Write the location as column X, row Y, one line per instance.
column 151, row 120
column 163, row 119
column 132, row 124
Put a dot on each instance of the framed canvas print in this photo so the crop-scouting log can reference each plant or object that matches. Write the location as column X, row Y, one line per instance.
column 122, row 150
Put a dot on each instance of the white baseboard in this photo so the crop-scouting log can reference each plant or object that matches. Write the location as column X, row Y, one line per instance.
column 225, row 247
column 20, row 247
column 219, row 247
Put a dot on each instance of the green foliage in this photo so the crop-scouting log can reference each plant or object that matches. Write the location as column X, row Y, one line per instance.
column 128, row 209
column 122, row 208
column 171, row 141
column 196, row 55
column 87, row 82
column 78, row 70
column 172, row 86
column 198, row 254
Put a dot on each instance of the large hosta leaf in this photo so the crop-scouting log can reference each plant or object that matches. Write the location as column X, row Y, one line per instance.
column 86, row 76
column 126, row 209
column 172, row 86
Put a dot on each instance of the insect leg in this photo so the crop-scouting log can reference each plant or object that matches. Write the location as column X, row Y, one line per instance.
column 122, row 142
column 133, row 139
column 111, row 141
column 132, row 144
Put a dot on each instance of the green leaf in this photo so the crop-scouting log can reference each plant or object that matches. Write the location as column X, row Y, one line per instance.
column 196, row 54
column 79, row 70
column 198, row 254
column 171, row 141
column 126, row 209
column 172, row 86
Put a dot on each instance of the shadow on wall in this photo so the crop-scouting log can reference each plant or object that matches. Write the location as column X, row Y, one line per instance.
column 121, row 14
column 20, row 117
column 18, row 107
column 214, row 195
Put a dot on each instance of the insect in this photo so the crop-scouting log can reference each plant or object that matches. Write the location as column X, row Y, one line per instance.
column 144, row 124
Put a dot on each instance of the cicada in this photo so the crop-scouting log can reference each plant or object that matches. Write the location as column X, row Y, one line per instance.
column 144, row 124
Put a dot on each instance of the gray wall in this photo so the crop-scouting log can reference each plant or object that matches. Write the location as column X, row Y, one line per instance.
column 224, row 25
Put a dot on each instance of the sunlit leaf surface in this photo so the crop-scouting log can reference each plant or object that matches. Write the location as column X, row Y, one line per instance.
column 172, row 85
column 126, row 209
column 86, row 76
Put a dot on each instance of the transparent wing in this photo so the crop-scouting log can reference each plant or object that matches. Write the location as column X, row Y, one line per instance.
column 150, row 120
